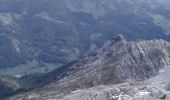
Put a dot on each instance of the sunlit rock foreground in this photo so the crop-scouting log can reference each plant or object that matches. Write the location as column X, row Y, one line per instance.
column 119, row 92
column 128, row 64
column 125, row 91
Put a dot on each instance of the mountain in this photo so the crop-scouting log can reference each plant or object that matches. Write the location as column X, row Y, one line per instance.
column 40, row 35
column 118, row 61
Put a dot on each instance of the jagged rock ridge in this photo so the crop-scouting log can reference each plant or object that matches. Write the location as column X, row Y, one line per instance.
column 117, row 61
column 121, row 60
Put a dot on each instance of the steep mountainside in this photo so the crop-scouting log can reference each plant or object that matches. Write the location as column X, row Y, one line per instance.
column 59, row 31
column 117, row 61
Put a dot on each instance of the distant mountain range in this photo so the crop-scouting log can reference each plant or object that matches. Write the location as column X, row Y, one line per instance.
column 118, row 61
column 39, row 35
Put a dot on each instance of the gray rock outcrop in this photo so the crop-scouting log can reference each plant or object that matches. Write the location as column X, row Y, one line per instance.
column 117, row 61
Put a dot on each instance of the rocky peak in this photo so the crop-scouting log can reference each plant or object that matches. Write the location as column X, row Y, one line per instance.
column 118, row 38
column 116, row 62
column 120, row 60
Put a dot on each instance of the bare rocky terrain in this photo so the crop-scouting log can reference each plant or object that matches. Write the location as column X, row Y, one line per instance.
column 120, row 69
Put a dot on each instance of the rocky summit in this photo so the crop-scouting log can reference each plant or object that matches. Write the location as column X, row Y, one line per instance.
column 120, row 70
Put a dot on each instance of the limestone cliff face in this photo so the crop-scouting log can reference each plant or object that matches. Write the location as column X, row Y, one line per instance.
column 117, row 61
column 121, row 60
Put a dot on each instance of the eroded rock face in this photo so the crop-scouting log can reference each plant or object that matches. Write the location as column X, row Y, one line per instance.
column 121, row 92
column 121, row 60
column 117, row 61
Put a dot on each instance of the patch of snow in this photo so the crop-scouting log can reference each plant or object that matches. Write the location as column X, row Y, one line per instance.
column 76, row 91
column 121, row 97
column 15, row 44
column 143, row 93
column 18, row 76
column 33, row 96
column 162, row 77
column 6, row 18
column 46, row 16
